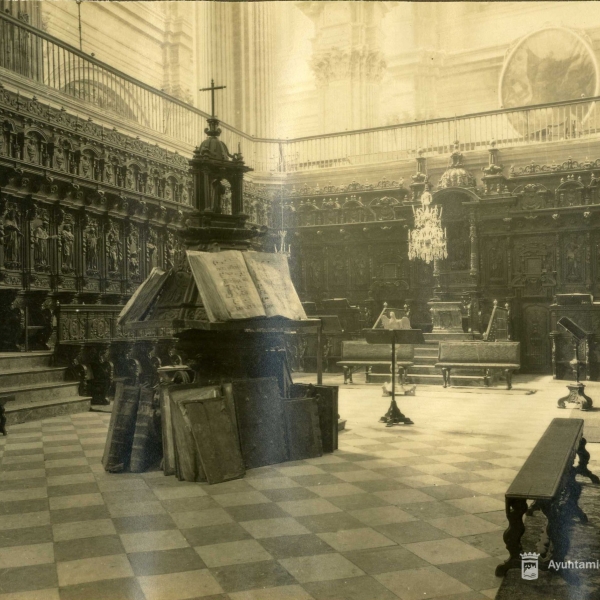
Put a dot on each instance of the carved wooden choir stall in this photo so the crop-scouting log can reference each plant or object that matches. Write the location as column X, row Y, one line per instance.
column 529, row 237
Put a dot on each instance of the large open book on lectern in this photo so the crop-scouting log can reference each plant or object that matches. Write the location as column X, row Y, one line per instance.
column 242, row 285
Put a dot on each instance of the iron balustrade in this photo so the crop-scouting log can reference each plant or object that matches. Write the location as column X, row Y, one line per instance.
column 38, row 56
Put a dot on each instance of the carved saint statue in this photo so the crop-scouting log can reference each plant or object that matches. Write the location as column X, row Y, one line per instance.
column 170, row 251
column 40, row 237
column 31, row 151
column 168, row 191
column 339, row 270
column 130, row 179
column 573, row 266
column 113, row 249
column 108, row 172
column 218, row 191
column 91, row 238
column 133, row 253
column 151, row 249
column 12, row 241
column 185, row 197
column 59, row 158
column 67, row 241
column 86, row 166
column 150, row 188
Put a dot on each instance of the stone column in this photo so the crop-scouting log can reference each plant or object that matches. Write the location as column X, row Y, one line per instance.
column 179, row 79
column 214, row 47
column 347, row 62
column 235, row 48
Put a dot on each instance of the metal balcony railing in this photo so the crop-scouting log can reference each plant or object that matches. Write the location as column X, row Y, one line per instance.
column 34, row 54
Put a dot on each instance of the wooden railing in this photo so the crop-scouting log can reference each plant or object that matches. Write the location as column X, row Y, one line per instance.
column 35, row 55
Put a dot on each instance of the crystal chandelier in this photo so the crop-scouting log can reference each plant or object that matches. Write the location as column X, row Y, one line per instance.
column 427, row 241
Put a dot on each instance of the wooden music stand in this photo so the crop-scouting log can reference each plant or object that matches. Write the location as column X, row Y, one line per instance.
column 411, row 337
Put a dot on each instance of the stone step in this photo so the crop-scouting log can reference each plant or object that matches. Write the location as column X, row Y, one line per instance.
column 425, row 360
column 41, row 392
column 18, row 361
column 10, row 379
column 23, row 412
column 447, row 337
column 424, row 369
column 425, row 379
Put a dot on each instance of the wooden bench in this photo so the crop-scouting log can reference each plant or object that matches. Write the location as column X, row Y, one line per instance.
column 3, row 401
column 548, row 478
column 491, row 356
column 357, row 354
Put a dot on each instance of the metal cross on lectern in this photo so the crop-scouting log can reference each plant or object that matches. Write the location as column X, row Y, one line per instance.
column 212, row 89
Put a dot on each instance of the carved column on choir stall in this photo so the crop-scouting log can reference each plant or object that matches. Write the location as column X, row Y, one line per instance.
column 493, row 178
column 144, row 354
column 474, row 265
column 12, row 323
column 74, row 356
column 102, row 373
column 49, row 335
column 437, row 290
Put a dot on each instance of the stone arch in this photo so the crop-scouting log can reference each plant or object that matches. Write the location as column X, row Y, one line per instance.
column 570, row 192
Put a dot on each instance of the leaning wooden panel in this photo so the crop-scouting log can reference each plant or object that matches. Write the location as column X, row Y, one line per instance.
column 302, row 428
column 146, row 450
column 327, row 400
column 167, row 433
column 260, row 419
column 188, row 466
column 117, row 450
column 216, row 439
column 227, row 393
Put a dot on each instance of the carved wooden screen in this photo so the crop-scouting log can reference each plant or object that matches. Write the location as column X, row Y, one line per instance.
column 535, row 339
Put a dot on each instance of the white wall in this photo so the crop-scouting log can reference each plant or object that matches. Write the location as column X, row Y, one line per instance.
column 443, row 58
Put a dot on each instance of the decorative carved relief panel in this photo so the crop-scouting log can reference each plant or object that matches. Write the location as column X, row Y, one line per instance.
column 495, row 260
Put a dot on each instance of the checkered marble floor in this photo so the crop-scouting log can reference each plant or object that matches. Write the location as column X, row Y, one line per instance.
column 404, row 512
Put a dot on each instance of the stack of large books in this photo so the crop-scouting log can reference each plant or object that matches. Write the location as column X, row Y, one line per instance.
column 215, row 433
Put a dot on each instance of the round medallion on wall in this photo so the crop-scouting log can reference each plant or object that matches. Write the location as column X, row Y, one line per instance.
column 554, row 64
column 550, row 65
